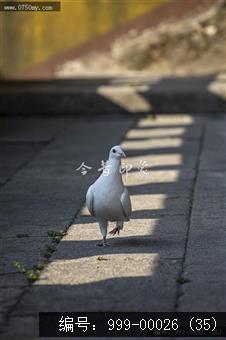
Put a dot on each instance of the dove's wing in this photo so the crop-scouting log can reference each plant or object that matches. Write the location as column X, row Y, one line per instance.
column 90, row 200
column 126, row 203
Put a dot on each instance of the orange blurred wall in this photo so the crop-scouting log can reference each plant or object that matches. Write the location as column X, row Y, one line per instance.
column 28, row 38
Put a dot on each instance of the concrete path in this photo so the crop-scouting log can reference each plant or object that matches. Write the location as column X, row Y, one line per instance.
column 169, row 257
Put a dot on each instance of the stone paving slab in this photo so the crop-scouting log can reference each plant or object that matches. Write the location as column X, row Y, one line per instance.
column 205, row 267
column 214, row 146
column 30, row 129
column 25, row 326
column 13, row 280
column 22, row 154
column 14, row 230
column 24, row 138
column 17, row 249
column 8, row 297
column 212, row 184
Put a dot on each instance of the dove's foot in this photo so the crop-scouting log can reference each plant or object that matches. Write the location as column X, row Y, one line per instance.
column 115, row 231
column 103, row 243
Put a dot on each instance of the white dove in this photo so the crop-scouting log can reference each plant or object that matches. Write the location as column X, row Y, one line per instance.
column 107, row 198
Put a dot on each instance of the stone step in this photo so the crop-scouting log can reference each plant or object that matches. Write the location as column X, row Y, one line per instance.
column 137, row 93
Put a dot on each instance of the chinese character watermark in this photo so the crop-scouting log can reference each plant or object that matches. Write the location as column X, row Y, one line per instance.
column 123, row 169
column 84, row 168
column 105, row 167
column 143, row 167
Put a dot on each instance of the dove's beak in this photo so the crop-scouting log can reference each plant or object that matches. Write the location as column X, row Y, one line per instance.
column 123, row 155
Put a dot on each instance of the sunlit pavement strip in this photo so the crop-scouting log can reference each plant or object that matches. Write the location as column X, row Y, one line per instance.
column 139, row 271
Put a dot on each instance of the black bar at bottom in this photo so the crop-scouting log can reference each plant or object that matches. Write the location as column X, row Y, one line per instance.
column 121, row 324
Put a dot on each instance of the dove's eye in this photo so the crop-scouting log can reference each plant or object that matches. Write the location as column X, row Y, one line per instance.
column 114, row 151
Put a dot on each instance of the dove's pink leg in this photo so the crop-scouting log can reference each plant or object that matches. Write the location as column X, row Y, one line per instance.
column 103, row 229
column 116, row 230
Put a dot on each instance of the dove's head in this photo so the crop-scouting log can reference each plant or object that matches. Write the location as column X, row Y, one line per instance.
column 116, row 152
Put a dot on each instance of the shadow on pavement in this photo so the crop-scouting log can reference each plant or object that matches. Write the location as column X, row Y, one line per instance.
column 117, row 95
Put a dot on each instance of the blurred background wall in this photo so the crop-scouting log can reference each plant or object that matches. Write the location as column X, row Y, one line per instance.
column 29, row 38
